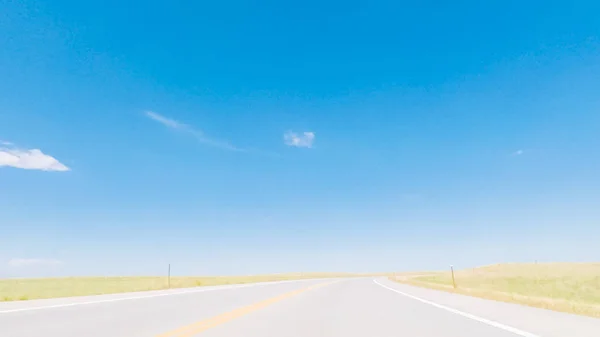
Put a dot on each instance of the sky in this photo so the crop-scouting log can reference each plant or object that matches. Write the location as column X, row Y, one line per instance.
column 244, row 137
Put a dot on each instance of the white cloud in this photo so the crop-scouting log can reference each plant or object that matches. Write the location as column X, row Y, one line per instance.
column 199, row 135
column 518, row 152
column 33, row 159
column 168, row 122
column 33, row 262
column 306, row 139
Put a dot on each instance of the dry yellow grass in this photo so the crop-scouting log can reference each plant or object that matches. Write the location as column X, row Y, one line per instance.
column 36, row 288
column 567, row 287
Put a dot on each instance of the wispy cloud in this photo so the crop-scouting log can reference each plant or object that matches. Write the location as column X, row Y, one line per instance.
column 28, row 159
column 306, row 139
column 32, row 262
column 199, row 135
column 518, row 153
column 168, row 122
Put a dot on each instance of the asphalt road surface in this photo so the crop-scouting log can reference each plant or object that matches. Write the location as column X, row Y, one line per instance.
column 329, row 308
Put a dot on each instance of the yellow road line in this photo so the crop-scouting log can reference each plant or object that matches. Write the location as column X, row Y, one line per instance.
column 198, row 327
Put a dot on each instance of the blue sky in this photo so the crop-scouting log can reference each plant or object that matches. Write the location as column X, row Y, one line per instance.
column 238, row 137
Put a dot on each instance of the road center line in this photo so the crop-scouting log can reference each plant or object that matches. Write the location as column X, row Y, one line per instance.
column 198, row 327
column 462, row 313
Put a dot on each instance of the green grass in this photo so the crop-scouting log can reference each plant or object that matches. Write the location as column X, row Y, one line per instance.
column 37, row 288
column 568, row 287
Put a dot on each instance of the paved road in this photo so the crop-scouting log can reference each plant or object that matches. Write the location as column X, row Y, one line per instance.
column 328, row 308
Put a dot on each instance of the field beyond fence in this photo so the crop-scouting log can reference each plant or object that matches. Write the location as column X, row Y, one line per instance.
column 38, row 288
column 567, row 287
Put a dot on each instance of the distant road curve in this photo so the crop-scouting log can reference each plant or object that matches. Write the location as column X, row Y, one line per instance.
column 355, row 307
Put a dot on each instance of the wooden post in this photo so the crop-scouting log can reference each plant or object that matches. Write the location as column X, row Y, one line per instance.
column 169, row 277
column 453, row 281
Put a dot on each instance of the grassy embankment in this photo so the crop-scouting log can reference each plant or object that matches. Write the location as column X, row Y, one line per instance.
column 36, row 288
column 566, row 287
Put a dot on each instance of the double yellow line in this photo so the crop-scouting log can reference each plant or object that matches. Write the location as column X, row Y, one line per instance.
column 198, row 327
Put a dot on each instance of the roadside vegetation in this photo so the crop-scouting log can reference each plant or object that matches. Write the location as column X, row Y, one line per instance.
column 566, row 287
column 37, row 288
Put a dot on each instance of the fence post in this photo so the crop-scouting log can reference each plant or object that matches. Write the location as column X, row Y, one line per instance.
column 453, row 281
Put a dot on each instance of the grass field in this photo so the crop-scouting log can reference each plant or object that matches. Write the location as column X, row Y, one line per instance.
column 36, row 288
column 567, row 287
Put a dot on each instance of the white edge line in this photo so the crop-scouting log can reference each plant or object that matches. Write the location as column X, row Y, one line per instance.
column 462, row 313
column 232, row 286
